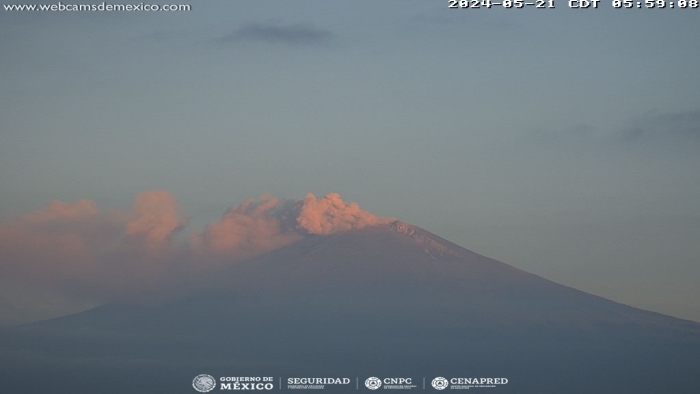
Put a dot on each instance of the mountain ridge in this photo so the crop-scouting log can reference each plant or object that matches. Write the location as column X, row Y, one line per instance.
column 389, row 300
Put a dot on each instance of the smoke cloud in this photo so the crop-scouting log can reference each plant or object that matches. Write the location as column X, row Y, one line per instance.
column 75, row 247
column 330, row 214
column 154, row 220
column 114, row 254
column 249, row 229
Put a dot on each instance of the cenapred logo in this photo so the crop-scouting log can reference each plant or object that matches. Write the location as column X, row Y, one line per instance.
column 440, row 383
column 373, row 383
column 204, row 383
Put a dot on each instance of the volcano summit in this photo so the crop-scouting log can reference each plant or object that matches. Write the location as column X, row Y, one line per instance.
column 345, row 293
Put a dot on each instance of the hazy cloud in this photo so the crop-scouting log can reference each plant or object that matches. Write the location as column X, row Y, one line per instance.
column 77, row 247
column 294, row 34
column 59, row 211
column 657, row 128
column 670, row 125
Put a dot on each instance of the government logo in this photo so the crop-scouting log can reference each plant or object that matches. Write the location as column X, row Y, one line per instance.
column 373, row 383
column 204, row 383
column 440, row 383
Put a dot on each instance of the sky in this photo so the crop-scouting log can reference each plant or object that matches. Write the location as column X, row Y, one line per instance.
column 563, row 142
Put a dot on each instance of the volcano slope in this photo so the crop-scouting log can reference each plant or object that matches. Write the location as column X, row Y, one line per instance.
column 390, row 301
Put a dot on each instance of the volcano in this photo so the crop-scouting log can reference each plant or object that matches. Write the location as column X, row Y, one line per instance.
column 391, row 300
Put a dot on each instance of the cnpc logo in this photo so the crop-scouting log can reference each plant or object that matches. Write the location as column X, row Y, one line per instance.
column 374, row 382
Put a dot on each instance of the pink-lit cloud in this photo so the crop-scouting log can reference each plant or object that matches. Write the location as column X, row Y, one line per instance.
column 330, row 214
column 116, row 254
column 249, row 229
column 154, row 220
column 77, row 247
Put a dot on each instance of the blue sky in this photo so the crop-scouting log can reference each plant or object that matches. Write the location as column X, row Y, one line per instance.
column 563, row 142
